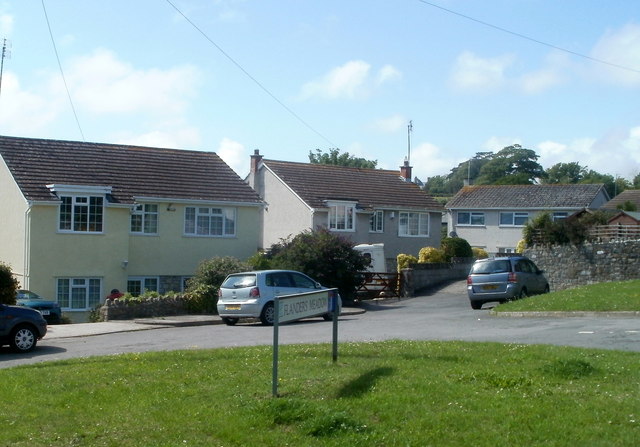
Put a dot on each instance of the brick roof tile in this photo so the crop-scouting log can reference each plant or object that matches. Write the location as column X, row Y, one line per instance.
column 131, row 171
column 316, row 184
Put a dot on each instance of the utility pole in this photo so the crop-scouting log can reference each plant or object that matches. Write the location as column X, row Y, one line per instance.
column 5, row 53
column 409, row 130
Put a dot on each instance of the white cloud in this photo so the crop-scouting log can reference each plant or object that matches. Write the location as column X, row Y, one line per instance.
column 24, row 112
column 496, row 144
column 388, row 73
column 429, row 160
column 390, row 124
column 616, row 153
column 173, row 135
column 105, row 85
column 472, row 72
column 539, row 81
column 235, row 155
column 6, row 24
column 620, row 47
column 352, row 80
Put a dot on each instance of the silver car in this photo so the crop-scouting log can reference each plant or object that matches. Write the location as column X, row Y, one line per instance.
column 251, row 294
column 503, row 279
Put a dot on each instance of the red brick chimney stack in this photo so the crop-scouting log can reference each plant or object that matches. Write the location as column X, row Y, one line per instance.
column 405, row 171
column 256, row 158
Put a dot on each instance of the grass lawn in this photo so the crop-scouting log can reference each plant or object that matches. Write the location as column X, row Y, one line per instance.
column 602, row 297
column 397, row 393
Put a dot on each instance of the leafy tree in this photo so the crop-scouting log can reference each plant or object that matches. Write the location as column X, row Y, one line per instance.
column 565, row 173
column 334, row 157
column 324, row 256
column 204, row 285
column 8, row 285
column 614, row 186
column 451, row 183
column 513, row 161
column 628, row 205
column 636, row 181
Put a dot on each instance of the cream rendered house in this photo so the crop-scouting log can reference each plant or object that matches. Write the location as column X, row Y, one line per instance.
column 492, row 217
column 367, row 206
column 80, row 219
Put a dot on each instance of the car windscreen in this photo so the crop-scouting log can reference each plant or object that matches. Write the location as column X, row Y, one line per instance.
column 488, row 267
column 239, row 281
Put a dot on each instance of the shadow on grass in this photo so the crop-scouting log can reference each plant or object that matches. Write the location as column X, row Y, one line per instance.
column 364, row 383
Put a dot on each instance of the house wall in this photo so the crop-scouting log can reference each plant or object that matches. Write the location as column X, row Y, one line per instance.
column 54, row 255
column 491, row 236
column 172, row 253
column 13, row 215
column 393, row 244
column 277, row 224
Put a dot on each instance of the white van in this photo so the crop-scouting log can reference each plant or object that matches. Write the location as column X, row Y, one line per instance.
column 375, row 252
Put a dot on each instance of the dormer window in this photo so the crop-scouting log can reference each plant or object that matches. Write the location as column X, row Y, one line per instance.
column 81, row 208
column 342, row 216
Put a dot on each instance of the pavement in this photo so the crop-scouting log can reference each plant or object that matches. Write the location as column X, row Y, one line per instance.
column 141, row 324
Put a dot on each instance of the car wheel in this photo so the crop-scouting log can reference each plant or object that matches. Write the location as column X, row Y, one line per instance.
column 268, row 314
column 328, row 317
column 229, row 321
column 23, row 339
column 476, row 305
column 523, row 293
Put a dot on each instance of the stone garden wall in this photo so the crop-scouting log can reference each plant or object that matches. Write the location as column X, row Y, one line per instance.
column 129, row 309
column 568, row 266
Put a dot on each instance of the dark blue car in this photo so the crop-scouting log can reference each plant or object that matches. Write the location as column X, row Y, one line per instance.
column 50, row 310
column 21, row 327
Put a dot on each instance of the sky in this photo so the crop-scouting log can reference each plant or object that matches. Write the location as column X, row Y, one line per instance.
column 288, row 77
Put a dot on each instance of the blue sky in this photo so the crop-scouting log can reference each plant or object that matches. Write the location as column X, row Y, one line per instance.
column 291, row 76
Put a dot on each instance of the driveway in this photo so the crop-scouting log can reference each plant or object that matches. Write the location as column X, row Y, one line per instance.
column 444, row 314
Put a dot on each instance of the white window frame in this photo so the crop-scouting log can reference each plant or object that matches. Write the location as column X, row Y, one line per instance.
column 515, row 217
column 91, row 207
column 342, row 216
column 407, row 222
column 204, row 221
column 143, row 283
column 148, row 218
column 559, row 215
column 476, row 218
column 376, row 222
column 90, row 287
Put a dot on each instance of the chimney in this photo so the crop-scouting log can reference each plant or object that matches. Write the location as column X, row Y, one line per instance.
column 256, row 158
column 405, row 171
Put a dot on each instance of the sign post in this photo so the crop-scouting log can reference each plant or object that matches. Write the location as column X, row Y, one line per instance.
column 302, row 305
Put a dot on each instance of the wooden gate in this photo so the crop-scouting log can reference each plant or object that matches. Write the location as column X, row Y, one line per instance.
column 379, row 285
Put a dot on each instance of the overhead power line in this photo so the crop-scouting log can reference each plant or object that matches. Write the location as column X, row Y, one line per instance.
column 531, row 39
column 55, row 49
column 252, row 78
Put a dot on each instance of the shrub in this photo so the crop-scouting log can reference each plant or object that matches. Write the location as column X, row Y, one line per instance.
column 456, row 247
column 326, row 257
column 479, row 253
column 572, row 230
column 431, row 254
column 259, row 261
column 404, row 261
column 8, row 285
column 202, row 290
column 521, row 246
